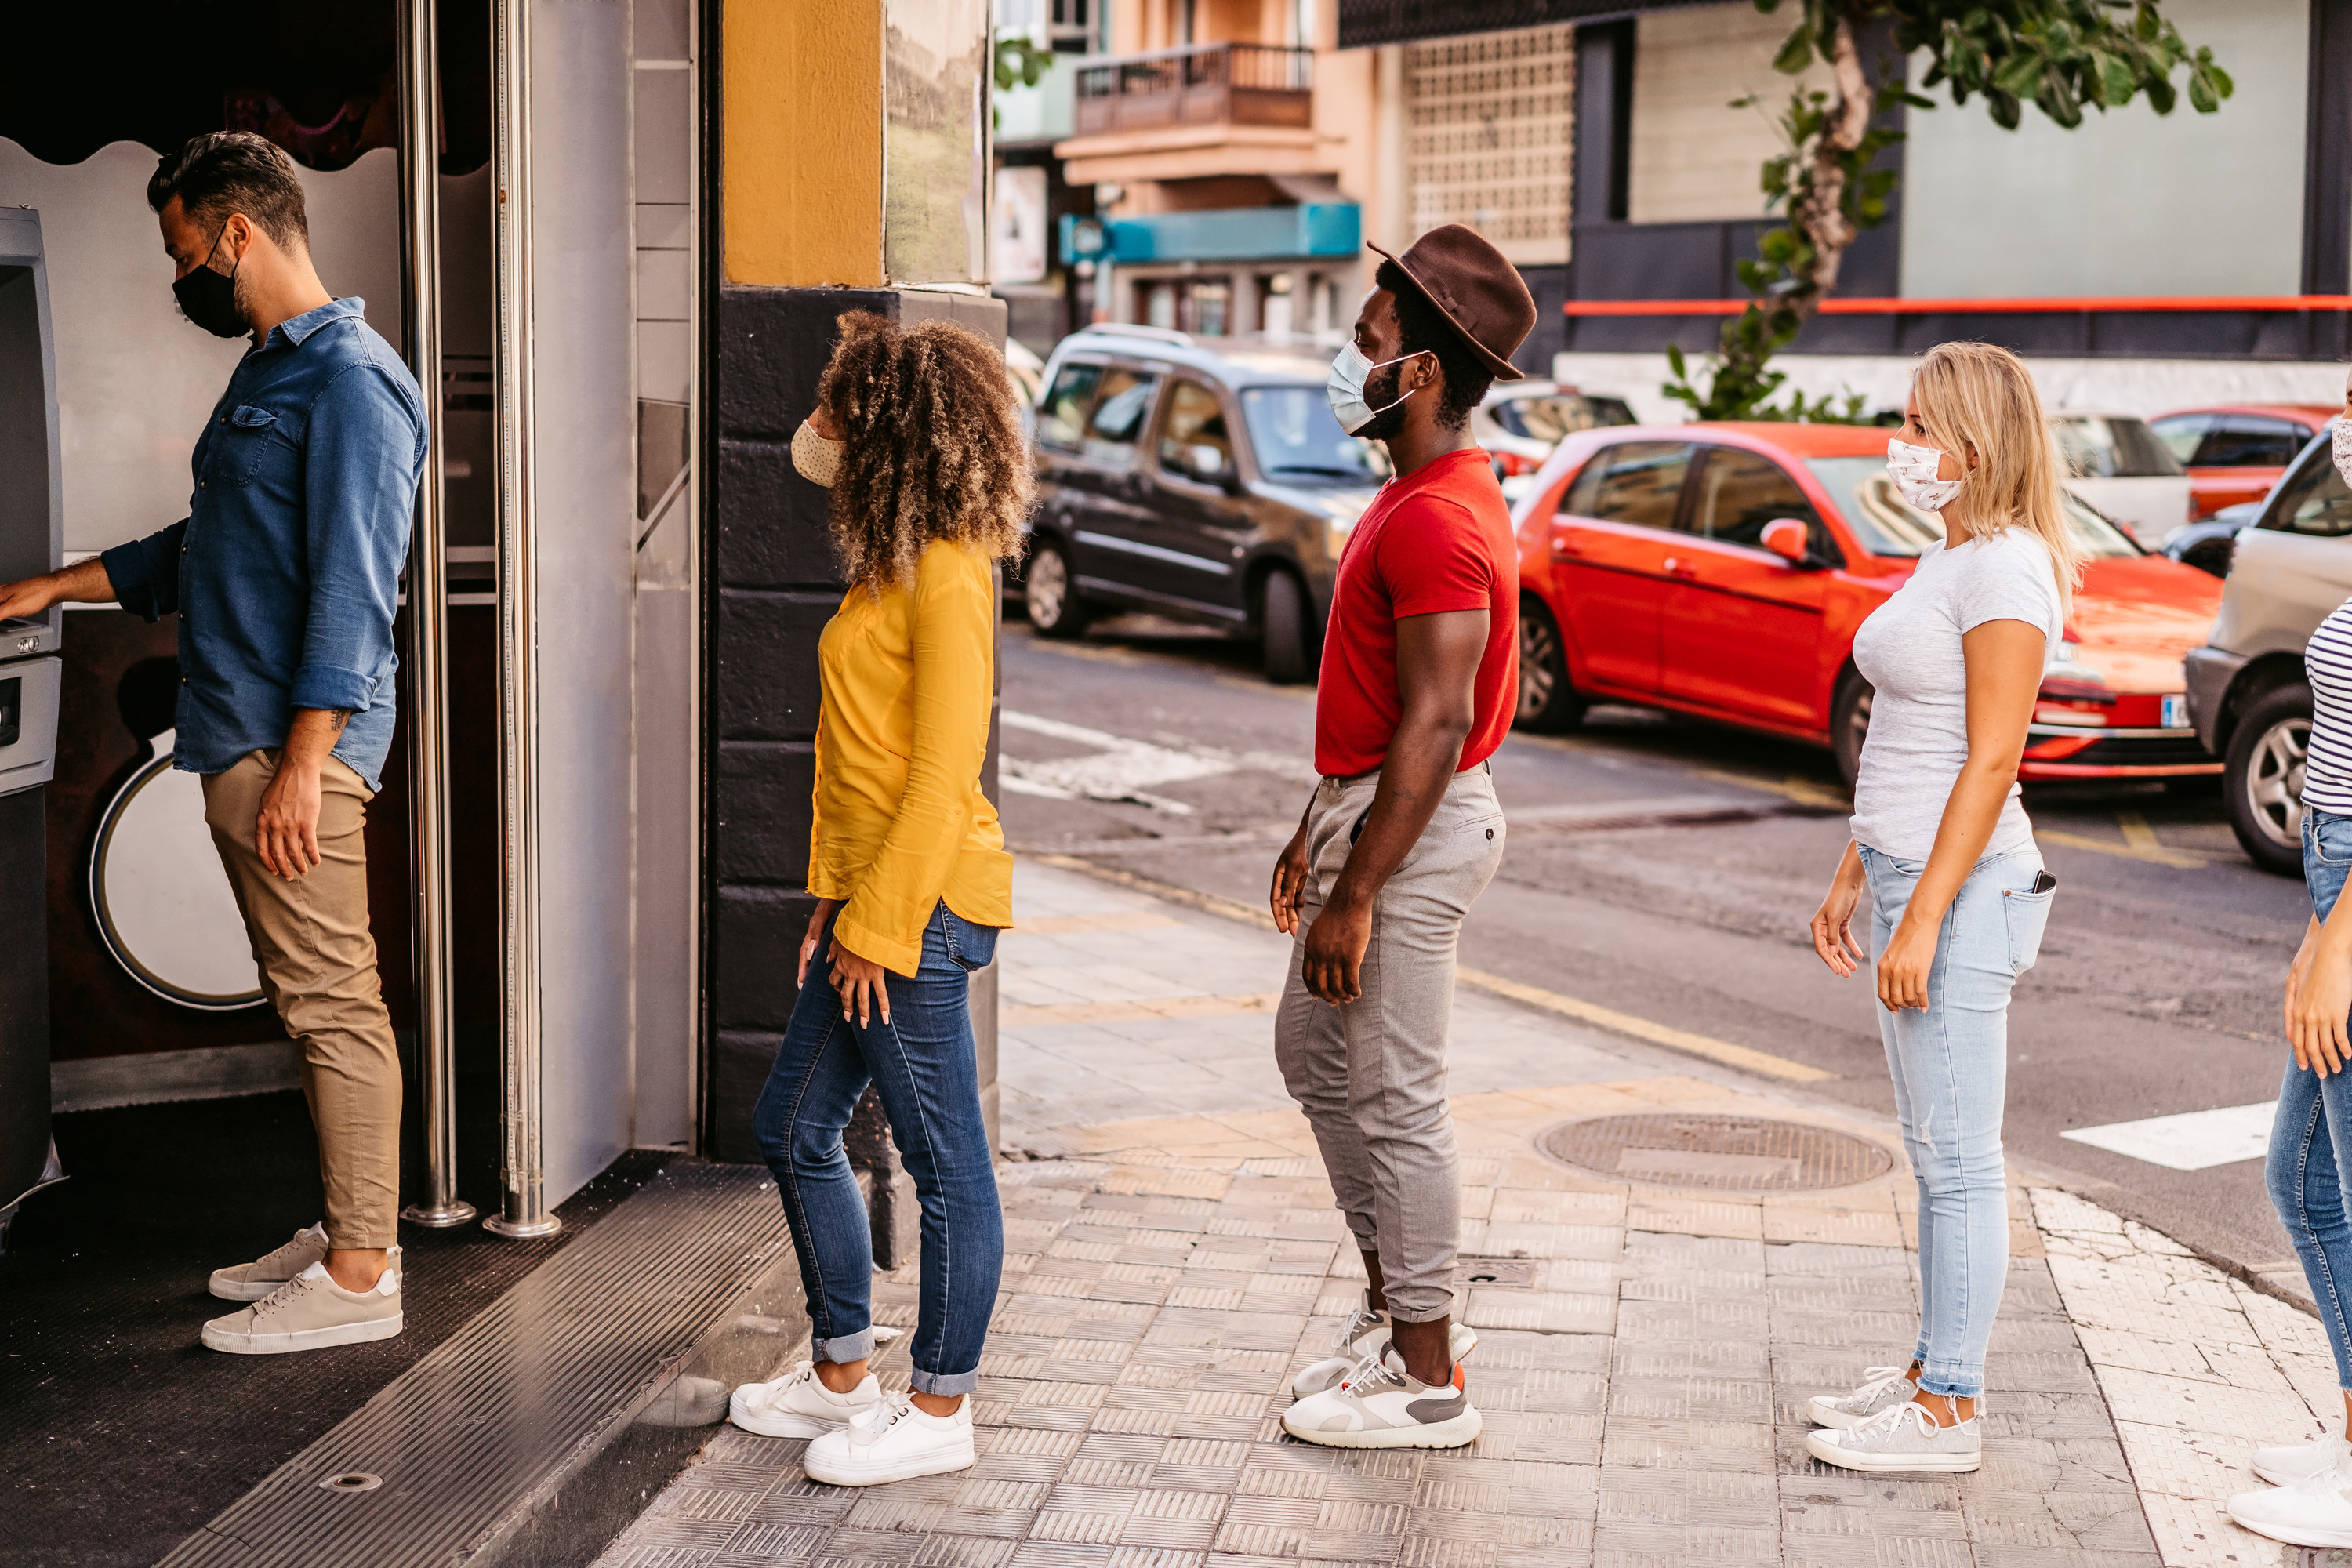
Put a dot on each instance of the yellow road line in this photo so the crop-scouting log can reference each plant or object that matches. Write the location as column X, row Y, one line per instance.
column 2150, row 853
column 1724, row 1051
column 1746, row 1058
column 1795, row 787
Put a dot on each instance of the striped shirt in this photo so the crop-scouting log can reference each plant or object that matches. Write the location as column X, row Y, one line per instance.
column 2327, row 664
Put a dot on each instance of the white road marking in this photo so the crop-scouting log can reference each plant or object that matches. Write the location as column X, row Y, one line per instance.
column 1121, row 769
column 2192, row 1141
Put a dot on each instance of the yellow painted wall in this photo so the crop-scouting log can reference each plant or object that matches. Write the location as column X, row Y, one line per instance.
column 803, row 144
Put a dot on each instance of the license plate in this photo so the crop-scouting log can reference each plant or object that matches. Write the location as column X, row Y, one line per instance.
column 2176, row 711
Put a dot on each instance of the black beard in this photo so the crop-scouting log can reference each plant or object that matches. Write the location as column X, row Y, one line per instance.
column 1390, row 420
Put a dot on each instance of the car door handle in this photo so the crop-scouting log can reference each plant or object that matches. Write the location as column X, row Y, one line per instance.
column 1564, row 547
column 1678, row 567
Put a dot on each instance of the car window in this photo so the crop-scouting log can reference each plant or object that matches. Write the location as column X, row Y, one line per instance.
column 2097, row 448
column 1117, row 422
column 1550, row 416
column 1062, row 417
column 1864, row 492
column 2250, row 441
column 2181, row 433
column 1194, row 440
column 1297, row 439
column 1638, row 482
column 2311, row 500
column 1739, row 492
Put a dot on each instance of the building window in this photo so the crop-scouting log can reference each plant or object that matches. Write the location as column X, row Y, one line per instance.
column 1488, row 138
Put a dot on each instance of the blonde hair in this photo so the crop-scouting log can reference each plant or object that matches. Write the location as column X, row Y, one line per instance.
column 1978, row 403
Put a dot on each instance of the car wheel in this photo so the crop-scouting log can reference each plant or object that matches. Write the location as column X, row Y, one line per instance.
column 1047, row 589
column 1548, row 702
column 1849, row 724
column 1289, row 640
column 2261, row 779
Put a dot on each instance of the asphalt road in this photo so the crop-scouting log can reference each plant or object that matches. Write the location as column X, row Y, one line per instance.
column 1667, row 868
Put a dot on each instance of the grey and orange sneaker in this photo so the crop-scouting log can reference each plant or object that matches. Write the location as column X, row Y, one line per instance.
column 1379, row 1405
column 309, row 1312
column 1364, row 1333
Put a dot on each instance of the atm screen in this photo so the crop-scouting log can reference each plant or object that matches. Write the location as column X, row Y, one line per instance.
column 12, row 710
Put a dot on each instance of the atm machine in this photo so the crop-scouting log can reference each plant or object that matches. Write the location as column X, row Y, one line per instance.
column 32, row 541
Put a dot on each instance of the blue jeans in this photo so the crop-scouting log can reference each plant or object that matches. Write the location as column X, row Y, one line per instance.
column 1950, row 1065
column 2311, row 1138
column 921, row 1063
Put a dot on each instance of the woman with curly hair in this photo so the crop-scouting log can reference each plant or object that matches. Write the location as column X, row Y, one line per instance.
column 916, row 435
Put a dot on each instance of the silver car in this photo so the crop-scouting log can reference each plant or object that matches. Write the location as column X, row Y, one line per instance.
column 2247, row 694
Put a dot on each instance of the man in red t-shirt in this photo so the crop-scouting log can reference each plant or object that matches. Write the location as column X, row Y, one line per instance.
column 1420, row 673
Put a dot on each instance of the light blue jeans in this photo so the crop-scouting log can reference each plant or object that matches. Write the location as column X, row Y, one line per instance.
column 2311, row 1137
column 1950, row 1065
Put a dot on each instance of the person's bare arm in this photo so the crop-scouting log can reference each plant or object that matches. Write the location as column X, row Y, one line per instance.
column 2004, row 671
column 1437, row 673
column 84, row 582
column 286, row 830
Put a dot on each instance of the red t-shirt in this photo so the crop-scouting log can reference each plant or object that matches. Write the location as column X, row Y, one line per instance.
column 1435, row 540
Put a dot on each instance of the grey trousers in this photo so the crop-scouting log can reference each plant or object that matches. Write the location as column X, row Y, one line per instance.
column 1370, row 1076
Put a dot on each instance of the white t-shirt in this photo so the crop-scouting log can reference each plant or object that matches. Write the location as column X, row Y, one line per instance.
column 2327, row 662
column 1909, row 649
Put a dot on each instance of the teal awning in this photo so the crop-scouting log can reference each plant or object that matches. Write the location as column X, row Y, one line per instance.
column 1225, row 234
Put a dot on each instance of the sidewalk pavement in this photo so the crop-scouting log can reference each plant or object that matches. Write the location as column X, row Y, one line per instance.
column 1644, row 1357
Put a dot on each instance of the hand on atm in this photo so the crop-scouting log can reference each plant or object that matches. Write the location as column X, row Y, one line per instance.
column 29, row 598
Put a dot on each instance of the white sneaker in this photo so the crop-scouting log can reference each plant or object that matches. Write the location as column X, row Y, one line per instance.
column 2314, row 1511
column 797, row 1405
column 2285, row 1467
column 891, row 1440
column 1381, row 1406
column 1901, row 1438
column 1882, row 1386
column 252, row 1281
column 309, row 1312
column 1361, row 1335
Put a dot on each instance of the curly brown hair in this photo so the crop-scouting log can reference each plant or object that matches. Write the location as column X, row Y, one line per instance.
column 933, row 446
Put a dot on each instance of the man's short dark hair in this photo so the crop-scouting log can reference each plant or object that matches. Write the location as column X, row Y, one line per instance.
column 1422, row 328
column 226, row 172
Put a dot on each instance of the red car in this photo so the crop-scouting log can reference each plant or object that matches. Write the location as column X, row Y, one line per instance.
column 1721, row 570
column 2235, row 452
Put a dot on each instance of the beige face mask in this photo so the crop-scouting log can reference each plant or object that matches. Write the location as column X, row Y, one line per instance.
column 817, row 459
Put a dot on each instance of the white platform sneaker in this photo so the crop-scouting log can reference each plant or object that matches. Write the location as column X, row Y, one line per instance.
column 2314, row 1511
column 797, row 1405
column 2285, row 1467
column 1379, row 1405
column 1361, row 1335
column 892, row 1441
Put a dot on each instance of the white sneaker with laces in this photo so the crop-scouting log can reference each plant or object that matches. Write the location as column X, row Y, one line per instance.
column 1900, row 1437
column 1361, row 1335
column 797, row 1405
column 309, row 1312
column 890, row 1440
column 1379, row 1405
column 1881, row 1386
column 2314, row 1511
column 2285, row 1467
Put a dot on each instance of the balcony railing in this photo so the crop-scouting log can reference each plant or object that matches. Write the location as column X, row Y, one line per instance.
column 1202, row 84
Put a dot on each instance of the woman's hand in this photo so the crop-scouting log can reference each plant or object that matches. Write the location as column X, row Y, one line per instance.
column 2318, row 999
column 861, row 982
column 823, row 913
column 1834, row 921
column 1903, row 968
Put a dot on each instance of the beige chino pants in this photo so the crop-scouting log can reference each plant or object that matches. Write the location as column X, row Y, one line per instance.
column 317, row 956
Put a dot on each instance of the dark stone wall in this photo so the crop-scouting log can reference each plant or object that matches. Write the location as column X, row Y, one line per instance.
column 772, row 586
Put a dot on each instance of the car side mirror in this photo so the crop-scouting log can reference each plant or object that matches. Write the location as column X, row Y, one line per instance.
column 1209, row 464
column 1785, row 537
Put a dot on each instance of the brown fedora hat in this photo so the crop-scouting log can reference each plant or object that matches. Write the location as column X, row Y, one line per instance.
column 1481, row 294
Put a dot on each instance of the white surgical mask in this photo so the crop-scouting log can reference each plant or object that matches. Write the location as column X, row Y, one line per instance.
column 1913, row 469
column 1345, row 388
column 817, row 459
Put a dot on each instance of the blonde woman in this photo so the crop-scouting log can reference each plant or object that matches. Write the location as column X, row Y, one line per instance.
column 1957, row 894
column 916, row 435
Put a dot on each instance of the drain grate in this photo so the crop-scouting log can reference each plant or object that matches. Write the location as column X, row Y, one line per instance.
column 1719, row 1153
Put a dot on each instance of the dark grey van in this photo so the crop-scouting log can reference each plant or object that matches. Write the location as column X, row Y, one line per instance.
column 1207, row 483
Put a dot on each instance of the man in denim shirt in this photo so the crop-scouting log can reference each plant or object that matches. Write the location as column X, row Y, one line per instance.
column 285, row 575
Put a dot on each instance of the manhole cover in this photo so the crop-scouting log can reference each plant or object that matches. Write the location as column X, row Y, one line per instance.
column 1723, row 1154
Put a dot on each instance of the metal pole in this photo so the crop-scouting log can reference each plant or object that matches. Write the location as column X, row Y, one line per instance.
column 428, row 601
column 522, row 1199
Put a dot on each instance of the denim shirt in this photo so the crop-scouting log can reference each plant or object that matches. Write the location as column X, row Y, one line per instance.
column 286, row 572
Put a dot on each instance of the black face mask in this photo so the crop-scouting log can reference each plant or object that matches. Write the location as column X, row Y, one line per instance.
column 209, row 298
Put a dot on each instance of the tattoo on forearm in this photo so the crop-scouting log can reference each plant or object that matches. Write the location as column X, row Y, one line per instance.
column 337, row 718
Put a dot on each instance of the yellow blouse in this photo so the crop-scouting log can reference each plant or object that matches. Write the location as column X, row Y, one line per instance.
column 900, row 823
